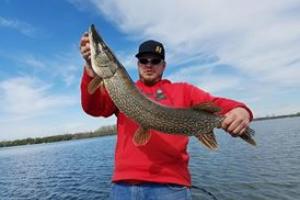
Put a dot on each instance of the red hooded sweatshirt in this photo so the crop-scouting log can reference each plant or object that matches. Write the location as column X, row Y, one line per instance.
column 164, row 159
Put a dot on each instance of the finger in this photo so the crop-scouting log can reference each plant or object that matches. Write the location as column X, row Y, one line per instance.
column 243, row 131
column 226, row 122
column 84, row 44
column 234, row 125
column 239, row 130
column 84, row 49
column 84, row 41
column 86, row 55
column 87, row 58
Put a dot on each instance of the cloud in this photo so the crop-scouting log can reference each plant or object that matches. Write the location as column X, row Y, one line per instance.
column 20, row 26
column 27, row 97
column 33, row 108
column 209, row 78
column 63, row 67
column 33, row 61
column 67, row 66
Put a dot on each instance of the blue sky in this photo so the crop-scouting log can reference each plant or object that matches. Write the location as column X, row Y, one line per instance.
column 248, row 51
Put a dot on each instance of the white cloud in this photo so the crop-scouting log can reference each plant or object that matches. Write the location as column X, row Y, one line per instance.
column 26, row 97
column 63, row 66
column 32, row 61
column 22, row 27
column 207, row 78
column 253, row 36
column 67, row 67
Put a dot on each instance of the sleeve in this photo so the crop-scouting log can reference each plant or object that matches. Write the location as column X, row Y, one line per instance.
column 199, row 96
column 97, row 104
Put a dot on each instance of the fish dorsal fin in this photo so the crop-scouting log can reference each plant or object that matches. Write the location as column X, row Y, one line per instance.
column 208, row 107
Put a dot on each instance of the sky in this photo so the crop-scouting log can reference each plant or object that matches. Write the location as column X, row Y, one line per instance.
column 244, row 50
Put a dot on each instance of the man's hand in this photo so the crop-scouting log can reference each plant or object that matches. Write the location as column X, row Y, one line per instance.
column 85, row 51
column 236, row 121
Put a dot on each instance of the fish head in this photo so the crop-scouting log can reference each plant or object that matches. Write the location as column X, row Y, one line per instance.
column 102, row 59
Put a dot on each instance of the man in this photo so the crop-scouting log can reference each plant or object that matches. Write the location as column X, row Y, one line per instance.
column 159, row 169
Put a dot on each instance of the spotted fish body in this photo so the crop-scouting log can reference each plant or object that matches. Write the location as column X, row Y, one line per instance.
column 197, row 121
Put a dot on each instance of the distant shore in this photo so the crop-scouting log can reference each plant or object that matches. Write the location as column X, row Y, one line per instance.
column 277, row 117
column 102, row 131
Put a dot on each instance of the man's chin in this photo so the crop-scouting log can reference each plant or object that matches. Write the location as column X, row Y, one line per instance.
column 149, row 81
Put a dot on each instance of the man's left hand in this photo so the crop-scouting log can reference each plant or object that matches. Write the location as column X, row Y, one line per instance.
column 236, row 121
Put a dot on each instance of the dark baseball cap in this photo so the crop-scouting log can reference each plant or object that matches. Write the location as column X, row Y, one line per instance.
column 151, row 47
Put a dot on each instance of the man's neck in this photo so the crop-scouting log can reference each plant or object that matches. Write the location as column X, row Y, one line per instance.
column 150, row 83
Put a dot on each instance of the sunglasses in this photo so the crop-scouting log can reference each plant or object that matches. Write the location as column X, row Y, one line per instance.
column 152, row 61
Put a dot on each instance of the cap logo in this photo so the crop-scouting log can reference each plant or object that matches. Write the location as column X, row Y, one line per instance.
column 158, row 49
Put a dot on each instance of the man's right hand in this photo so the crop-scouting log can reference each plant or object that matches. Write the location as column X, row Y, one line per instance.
column 85, row 51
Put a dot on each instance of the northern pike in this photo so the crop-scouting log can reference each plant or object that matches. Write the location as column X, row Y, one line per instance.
column 198, row 121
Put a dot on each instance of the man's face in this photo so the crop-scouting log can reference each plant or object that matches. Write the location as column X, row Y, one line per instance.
column 150, row 68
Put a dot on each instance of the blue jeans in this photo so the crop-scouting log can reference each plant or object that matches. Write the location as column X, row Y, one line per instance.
column 149, row 191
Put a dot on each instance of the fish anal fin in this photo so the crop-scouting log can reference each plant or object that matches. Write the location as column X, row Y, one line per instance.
column 208, row 140
column 208, row 107
column 247, row 136
column 96, row 83
column 141, row 137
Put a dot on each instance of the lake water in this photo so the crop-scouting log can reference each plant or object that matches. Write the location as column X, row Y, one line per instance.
column 82, row 169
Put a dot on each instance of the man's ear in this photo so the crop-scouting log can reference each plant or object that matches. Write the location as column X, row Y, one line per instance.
column 164, row 65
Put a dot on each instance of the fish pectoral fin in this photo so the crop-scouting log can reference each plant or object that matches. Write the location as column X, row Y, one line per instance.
column 141, row 137
column 208, row 107
column 247, row 136
column 96, row 83
column 208, row 139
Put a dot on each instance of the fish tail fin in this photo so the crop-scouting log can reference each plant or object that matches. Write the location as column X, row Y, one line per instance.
column 141, row 137
column 208, row 140
column 247, row 136
column 96, row 83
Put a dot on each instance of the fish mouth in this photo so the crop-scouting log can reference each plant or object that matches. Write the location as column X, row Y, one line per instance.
column 95, row 37
column 104, row 62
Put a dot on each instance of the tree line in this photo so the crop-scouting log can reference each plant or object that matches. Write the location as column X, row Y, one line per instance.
column 102, row 131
